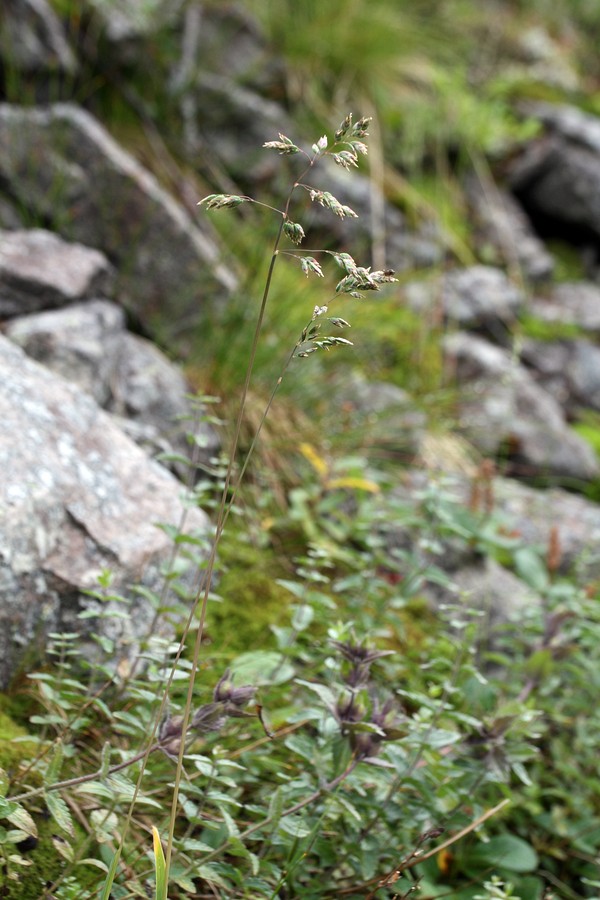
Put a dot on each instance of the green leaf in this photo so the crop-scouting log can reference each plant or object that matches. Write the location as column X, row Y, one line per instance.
column 105, row 760
column 531, row 569
column 276, row 807
column 7, row 807
column 209, row 873
column 325, row 693
column 22, row 820
column 52, row 773
column 296, row 826
column 160, row 866
column 302, row 618
column 507, row 852
column 59, row 811
column 109, row 880
column 105, row 824
column 262, row 667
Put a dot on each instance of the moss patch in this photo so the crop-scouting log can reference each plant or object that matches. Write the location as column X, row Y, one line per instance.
column 251, row 600
column 539, row 330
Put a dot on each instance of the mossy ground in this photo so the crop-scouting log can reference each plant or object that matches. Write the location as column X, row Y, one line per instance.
column 250, row 599
column 42, row 861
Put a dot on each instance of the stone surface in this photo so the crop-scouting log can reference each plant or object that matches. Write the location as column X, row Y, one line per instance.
column 62, row 165
column 151, row 393
column 385, row 416
column 529, row 515
column 235, row 122
column 78, row 497
column 131, row 20
column 532, row 514
column 570, row 303
column 39, row 270
column 87, row 343
column 479, row 297
column 452, row 568
column 503, row 226
column 499, row 596
column 502, row 409
column 558, row 175
column 517, row 512
column 10, row 217
column 32, row 38
column 82, row 343
column 568, row 369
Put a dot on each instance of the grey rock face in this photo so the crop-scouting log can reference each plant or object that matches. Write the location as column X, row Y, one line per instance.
column 530, row 515
column 39, row 270
column 453, row 570
column 559, row 175
column 130, row 20
column 491, row 590
column 501, row 407
column 82, row 343
column 503, row 225
column 78, row 497
column 151, row 393
column 569, row 370
column 570, row 303
column 383, row 414
column 32, row 38
column 61, row 164
column 533, row 513
column 87, row 343
column 234, row 124
column 477, row 297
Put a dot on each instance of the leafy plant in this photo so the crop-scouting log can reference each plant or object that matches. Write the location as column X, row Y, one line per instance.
column 366, row 745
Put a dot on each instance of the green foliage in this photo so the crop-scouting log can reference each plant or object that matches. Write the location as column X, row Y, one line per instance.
column 356, row 756
column 344, row 736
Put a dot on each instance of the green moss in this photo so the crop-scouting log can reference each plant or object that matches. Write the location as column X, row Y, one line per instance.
column 44, row 865
column 590, row 432
column 568, row 261
column 395, row 344
column 539, row 330
column 12, row 752
column 44, row 862
column 251, row 600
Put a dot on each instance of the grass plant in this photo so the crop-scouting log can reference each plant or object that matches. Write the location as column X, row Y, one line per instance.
column 368, row 746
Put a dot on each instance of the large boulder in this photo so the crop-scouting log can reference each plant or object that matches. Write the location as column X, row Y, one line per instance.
column 572, row 303
column 568, row 369
column 61, row 165
column 504, row 232
column 479, row 297
column 502, row 410
column 32, row 38
column 132, row 20
column 78, row 498
column 494, row 593
column 88, row 344
column 558, row 175
column 38, row 270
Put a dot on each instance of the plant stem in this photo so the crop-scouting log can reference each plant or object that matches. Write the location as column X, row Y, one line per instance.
column 201, row 599
column 324, row 789
column 82, row 779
